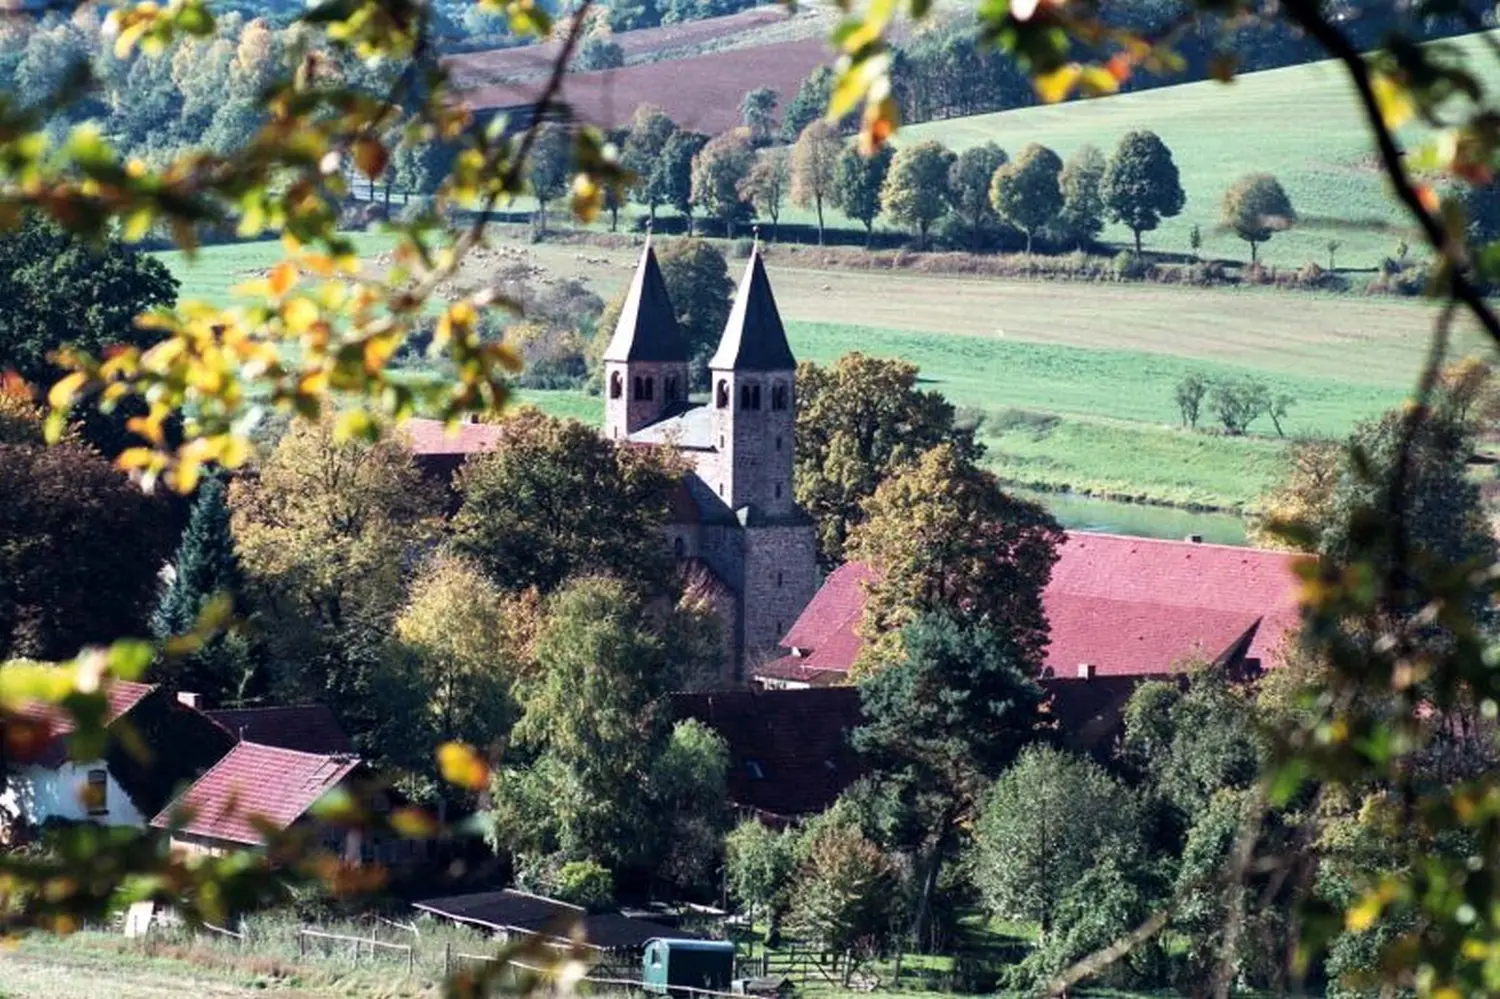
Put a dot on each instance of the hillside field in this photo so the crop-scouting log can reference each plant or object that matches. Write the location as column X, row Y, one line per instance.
column 1301, row 123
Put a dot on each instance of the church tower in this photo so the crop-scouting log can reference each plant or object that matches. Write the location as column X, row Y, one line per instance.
column 646, row 362
column 754, row 410
column 753, row 379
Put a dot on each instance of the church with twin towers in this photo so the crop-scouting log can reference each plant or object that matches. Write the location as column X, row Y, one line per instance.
column 734, row 522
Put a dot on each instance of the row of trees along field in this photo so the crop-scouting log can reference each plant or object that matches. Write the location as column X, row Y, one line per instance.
column 976, row 200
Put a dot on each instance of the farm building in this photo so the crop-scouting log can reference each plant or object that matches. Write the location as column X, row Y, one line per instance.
column 47, row 780
column 308, row 728
column 510, row 914
column 789, row 752
column 256, row 786
column 1117, row 606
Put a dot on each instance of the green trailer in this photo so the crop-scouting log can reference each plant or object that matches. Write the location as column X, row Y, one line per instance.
column 669, row 965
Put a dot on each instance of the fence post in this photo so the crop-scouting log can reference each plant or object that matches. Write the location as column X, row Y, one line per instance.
column 447, row 958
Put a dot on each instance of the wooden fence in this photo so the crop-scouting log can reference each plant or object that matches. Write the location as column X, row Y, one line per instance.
column 360, row 943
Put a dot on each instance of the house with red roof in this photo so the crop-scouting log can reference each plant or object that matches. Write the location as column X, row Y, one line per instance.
column 257, row 788
column 309, row 728
column 47, row 780
column 1117, row 607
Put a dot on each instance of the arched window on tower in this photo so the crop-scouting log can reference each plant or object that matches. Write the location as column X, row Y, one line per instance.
column 744, row 396
column 721, row 398
column 616, row 385
column 640, row 388
column 670, row 390
column 678, row 548
column 650, row 388
column 755, row 397
column 778, row 396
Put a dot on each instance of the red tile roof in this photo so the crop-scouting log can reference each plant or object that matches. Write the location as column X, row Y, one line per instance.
column 47, row 744
column 430, row 438
column 1126, row 606
column 275, row 785
column 307, row 728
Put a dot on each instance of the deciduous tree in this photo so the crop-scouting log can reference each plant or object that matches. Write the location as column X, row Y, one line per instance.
column 915, row 193
column 842, row 894
column 650, row 130
column 940, row 724
column 1141, row 186
column 758, row 109
column 554, row 499
column 549, row 167
column 324, row 532
column 942, row 536
column 814, row 159
column 1082, row 182
column 765, row 187
column 759, row 866
column 697, row 279
column 672, row 176
column 1046, row 823
column 1026, row 192
column 719, row 169
column 973, row 215
column 80, row 549
column 859, row 421
column 1256, row 208
column 857, row 182
column 454, row 626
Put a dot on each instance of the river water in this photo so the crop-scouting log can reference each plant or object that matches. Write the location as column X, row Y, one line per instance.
column 1085, row 513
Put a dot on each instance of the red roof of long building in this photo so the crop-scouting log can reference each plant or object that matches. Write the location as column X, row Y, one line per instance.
column 308, row 728
column 254, row 782
column 1122, row 606
column 434, row 437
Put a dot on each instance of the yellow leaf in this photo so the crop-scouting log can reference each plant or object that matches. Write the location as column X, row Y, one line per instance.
column 413, row 823
column 1364, row 913
column 370, row 157
column 1098, row 81
column 1394, row 101
column 299, row 314
column 462, row 766
column 1058, row 84
column 62, row 394
column 855, row 79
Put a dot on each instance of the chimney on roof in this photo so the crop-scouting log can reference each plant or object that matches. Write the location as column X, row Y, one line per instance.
column 1194, row 539
column 192, row 700
column 1086, row 671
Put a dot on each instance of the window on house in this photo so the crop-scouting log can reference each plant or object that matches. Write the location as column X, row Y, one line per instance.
column 754, row 770
column 778, row 443
column 779, row 580
column 616, row 385
column 96, row 792
column 721, row 397
column 671, row 389
column 778, row 490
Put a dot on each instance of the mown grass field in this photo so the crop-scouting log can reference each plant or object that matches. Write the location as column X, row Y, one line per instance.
column 1301, row 123
column 1102, row 358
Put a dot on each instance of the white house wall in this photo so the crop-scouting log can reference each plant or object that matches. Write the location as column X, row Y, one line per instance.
column 39, row 793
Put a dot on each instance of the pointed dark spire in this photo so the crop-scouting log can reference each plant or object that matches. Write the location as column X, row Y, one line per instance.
column 647, row 330
column 754, row 339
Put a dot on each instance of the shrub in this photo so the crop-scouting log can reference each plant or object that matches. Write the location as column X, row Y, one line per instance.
column 1132, row 267
column 585, row 883
column 1039, row 425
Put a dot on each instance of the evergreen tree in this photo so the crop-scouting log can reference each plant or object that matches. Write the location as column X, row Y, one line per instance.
column 206, row 568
